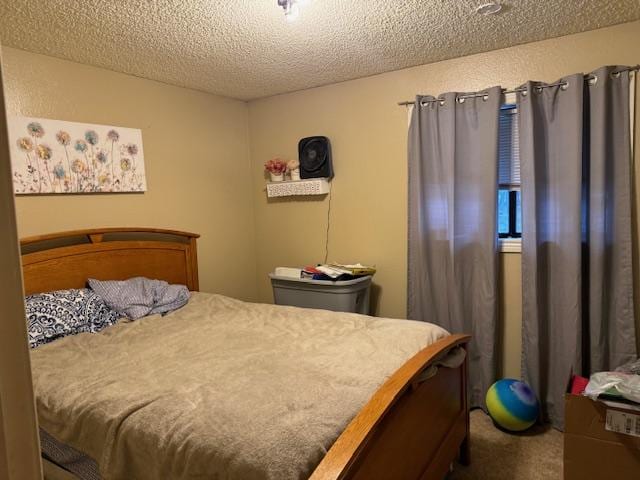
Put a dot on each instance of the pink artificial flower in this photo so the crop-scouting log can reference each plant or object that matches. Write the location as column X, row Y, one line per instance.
column 276, row 166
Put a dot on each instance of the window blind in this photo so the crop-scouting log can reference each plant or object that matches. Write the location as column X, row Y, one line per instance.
column 508, row 148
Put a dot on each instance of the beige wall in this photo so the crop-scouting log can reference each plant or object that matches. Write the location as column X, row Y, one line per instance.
column 368, row 135
column 196, row 157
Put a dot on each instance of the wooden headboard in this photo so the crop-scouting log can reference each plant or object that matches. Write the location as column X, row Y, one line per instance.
column 64, row 260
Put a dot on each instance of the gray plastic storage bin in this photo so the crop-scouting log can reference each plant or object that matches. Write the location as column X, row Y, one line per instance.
column 342, row 296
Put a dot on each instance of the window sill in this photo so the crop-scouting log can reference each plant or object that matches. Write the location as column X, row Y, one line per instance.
column 509, row 245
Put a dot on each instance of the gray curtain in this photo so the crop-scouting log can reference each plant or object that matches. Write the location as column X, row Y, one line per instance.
column 577, row 275
column 453, row 151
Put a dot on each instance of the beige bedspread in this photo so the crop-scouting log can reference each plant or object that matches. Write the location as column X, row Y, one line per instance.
column 220, row 389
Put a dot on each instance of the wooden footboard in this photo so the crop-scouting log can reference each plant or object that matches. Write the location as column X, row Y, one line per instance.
column 410, row 429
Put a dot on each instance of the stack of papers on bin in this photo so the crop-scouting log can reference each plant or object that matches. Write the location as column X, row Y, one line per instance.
column 334, row 270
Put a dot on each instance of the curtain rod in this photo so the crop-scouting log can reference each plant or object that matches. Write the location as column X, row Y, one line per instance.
column 591, row 78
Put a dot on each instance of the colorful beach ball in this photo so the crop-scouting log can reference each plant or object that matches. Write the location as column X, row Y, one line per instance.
column 512, row 404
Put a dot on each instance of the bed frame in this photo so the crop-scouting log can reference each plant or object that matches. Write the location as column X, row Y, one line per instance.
column 66, row 260
column 410, row 429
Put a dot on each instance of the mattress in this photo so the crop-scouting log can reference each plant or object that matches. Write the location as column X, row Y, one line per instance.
column 69, row 459
column 218, row 389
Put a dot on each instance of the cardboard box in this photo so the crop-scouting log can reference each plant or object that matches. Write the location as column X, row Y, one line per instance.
column 593, row 449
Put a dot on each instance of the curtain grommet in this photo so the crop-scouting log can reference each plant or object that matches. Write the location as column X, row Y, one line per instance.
column 485, row 97
column 441, row 102
column 525, row 93
column 564, row 86
column 460, row 99
column 615, row 74
column 592, row 80
column 537, row 89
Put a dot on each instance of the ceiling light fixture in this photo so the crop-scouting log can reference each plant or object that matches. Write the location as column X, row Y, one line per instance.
column 491, row 8
column 291, row 10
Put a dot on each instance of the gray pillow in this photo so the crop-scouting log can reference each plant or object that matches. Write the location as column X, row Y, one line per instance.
column 139, row 296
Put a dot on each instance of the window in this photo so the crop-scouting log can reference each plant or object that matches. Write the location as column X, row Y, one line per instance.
column 509, row 199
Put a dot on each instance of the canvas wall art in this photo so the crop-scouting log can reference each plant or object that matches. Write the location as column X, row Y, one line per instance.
column 54, row 156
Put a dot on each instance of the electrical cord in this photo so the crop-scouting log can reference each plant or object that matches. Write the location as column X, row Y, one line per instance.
column 326, row 243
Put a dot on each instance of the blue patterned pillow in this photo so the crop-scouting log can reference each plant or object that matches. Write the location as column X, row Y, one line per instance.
column 57, row 314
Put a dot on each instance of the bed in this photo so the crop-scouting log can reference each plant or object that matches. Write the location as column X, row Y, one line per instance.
column 412, row 425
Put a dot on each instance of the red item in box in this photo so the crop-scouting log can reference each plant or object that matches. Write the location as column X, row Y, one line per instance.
column 578, row 385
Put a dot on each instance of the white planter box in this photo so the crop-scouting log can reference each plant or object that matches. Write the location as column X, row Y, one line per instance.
column 312, row 186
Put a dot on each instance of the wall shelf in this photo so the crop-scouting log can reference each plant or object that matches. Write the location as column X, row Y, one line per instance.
column 311, row 186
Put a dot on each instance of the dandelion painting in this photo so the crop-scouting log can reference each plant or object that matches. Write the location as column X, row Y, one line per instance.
column 53, row 156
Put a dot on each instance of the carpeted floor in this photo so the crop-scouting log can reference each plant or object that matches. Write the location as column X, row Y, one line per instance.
column 496, row 455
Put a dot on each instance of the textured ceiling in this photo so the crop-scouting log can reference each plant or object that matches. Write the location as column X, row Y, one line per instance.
column 246, row 49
